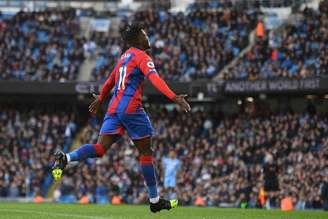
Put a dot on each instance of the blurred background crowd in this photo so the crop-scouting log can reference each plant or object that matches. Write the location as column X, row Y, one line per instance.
column 40, row 46
column 220, row 160
column 28, row 138
column 205, row 158
column 202, row 41
column 298, row 51
column 49, row 46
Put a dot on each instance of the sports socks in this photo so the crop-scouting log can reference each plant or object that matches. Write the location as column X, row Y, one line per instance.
column 146, row 163
column 148, row 172
column 86, row 151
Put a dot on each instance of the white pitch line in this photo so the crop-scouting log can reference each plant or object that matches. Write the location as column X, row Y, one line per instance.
column 52, row 213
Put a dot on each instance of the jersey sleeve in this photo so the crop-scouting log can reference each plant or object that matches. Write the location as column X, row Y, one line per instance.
column 147, row 67
column 107, row 86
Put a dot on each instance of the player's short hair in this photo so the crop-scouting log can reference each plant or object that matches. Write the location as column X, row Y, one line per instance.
column 130, row 32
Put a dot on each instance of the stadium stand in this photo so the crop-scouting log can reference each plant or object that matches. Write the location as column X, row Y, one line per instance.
column 211, row 34
column 299, row 50
column 222, row 157
column 40, row 46
column 54, row 51
column 107, row 52
column 202, row 40
column 28, row 138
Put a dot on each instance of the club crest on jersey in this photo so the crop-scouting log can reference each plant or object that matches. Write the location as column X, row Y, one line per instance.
column 150, row 64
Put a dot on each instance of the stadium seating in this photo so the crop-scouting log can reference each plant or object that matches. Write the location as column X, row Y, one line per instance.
column 40, row 46
column 43, row 46
column 47, row 46
column 27, row 141
column 218, row 162
column 299, row 50
column 202, row 41
column 108, row 52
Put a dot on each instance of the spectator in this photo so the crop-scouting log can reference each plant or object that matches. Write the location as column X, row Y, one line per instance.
column 271, row 184
column 324, row 194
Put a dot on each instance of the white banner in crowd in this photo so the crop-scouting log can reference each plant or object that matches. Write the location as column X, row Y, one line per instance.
column 101, row 25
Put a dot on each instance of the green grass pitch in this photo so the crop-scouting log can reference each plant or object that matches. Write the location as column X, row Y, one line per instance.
column 71, row 211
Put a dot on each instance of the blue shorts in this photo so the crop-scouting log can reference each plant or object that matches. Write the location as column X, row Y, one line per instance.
column 136, row 124
column 169, row 182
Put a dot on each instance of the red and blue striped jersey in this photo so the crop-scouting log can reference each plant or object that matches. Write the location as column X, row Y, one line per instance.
column 127, row 78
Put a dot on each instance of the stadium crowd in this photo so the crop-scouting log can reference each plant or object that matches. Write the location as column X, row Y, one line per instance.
column 299, row 50
column 224, row 160
column 47, row 46
column 202, row 41
column 28, row 138
column 41, row 46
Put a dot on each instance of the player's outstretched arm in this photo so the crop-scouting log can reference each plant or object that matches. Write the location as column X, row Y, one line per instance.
column 160, row 85
column 148, row 68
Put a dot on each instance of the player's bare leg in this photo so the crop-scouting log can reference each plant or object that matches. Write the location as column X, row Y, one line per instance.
column 144, row 147
column 82, row 153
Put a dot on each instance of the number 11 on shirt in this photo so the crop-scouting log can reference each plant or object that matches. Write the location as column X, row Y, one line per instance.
column 121, row 82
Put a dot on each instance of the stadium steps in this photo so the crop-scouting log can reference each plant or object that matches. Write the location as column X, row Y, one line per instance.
column 86, row 69
column 241, row 54
column 76, row 143
column 89, row 62
column 288, row 18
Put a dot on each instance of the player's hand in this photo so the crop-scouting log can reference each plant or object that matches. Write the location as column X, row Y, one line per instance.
column 94, row 106
column 182, row 102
